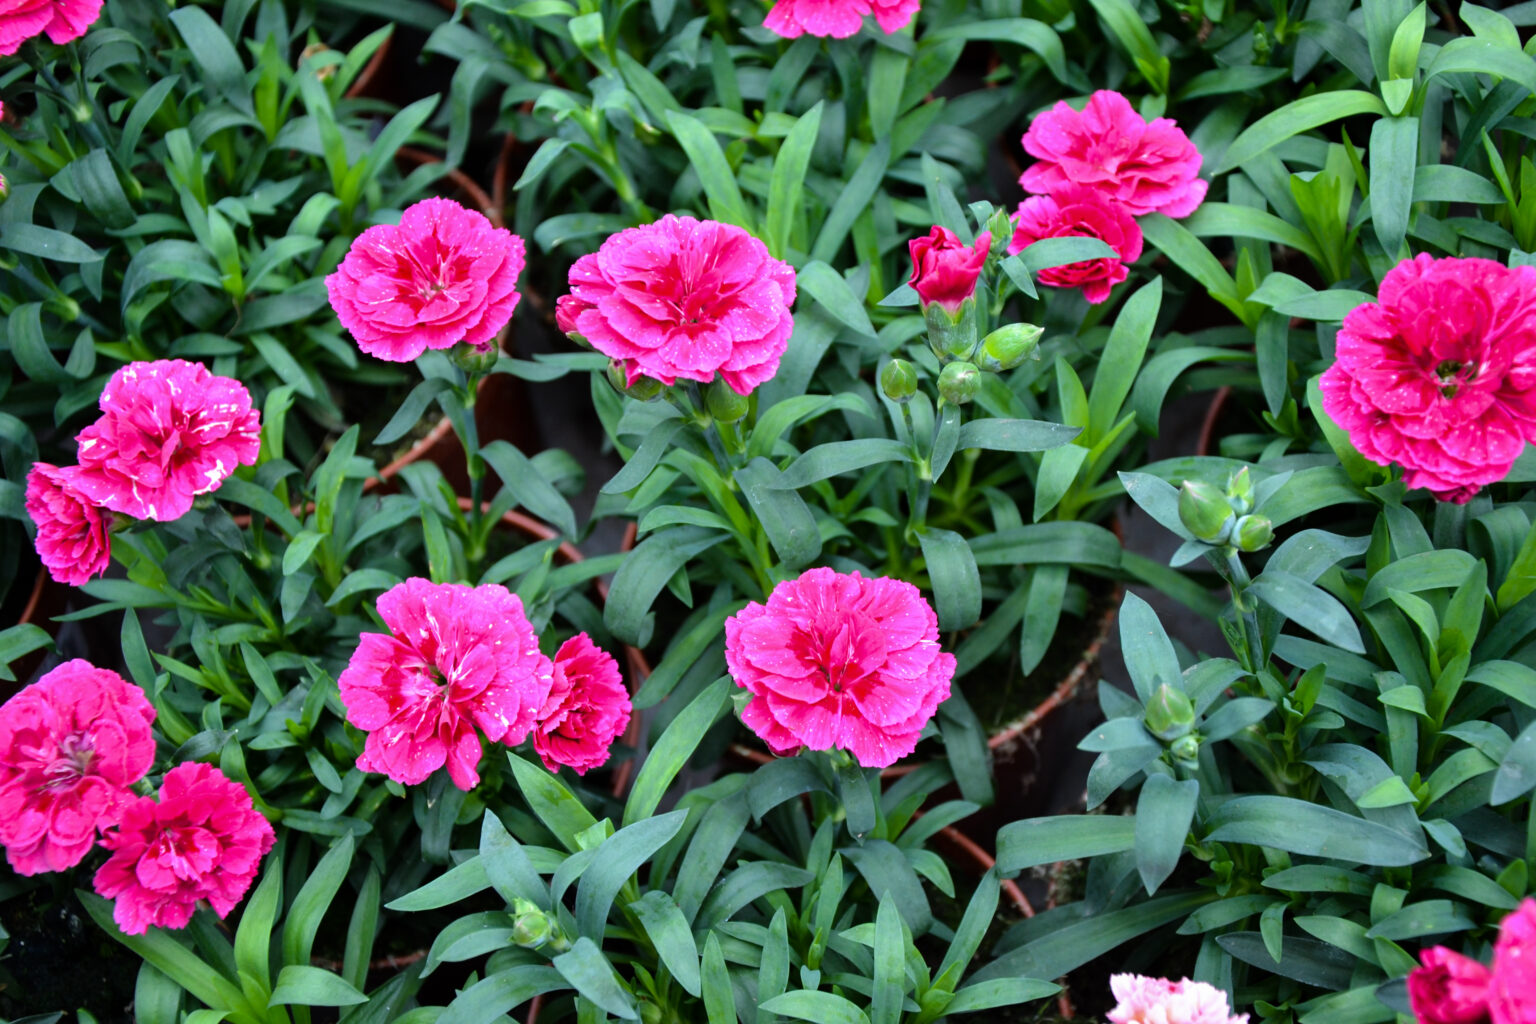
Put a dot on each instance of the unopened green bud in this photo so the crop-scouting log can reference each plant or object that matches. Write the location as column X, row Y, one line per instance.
column 5, row 188
column 959, row 382
column 898, row 380
column 1253, row 533
column 724, row 404
column 1009, row 346
column 1000, row 226
column 1169, row 713
column 1186, row 749
column 644, row 389
column 474, row 360
column 1204, row 511
column 952, row 335
column 83, row 112
column 650, row 1013
column 531, row 927
column 1240, row 491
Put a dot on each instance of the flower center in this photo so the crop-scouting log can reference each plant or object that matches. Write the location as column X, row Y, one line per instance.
column 1453, row 374
column 73, row 762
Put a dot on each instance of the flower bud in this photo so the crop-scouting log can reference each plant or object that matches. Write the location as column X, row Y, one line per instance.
column 723, row 404
column 1000, row 227
column 945, row 269
column 1169, row 713
column 1009, row 346
column 5, row 188
column 959, row 382
column 474, row 360
column 1186, row 749
column 1240, row 491
column 898, row 380
column 531, row 927
column 1253, row 533
column 1204, row 511
column 644, row 389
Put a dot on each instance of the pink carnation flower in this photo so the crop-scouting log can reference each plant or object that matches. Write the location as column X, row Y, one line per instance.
column 588, row 708
column 1142, row 1000
column 457, row 657
column 684, row 298
column 1108, row 147
column 838, row 660
column 169, row 431
column 71, row 745
column 72, row 534
column 1079, row 211
column 442, row 275
column 1448, row 988
column 945, row 269
column 203, row 840
column 1512, row 994
column 838, row 19
column 1439, row 374
column 63, row 20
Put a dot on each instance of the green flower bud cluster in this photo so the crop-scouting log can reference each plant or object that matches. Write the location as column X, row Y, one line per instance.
column 1225, row 517
column 532, row 928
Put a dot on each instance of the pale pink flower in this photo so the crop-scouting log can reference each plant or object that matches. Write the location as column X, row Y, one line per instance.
column 1144, row 166
column 1142, row 1000
column 1439, row 374
column 72, row 534
column 71, row 745
column 588, row 708
column 836, row 660
column 1448, row 988
column 683, row 298
column 1512, row 993
column 203, row 840
column 63, row 20
column 169, row 431
column 457, row 657
column 1076, row 211
column 442, row 276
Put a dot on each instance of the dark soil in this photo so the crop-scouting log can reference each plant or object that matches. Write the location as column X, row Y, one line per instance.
column 58, row 960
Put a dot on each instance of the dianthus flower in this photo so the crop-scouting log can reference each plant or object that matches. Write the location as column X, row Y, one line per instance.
column 588, row 708
column 63, row 20
column 1142, row 1000
column 457, row 657
column 836, row 660
column 1439, row 374
column 1079, row 211
column 72, row 534
column 1448, row 988
column 71, row 745
column 169, row 431
column 683, row 298
column 1512, row 992
column 203, row 840
column 945, row 269
column 1144, row 166
column 443, row 275
column 838, row 19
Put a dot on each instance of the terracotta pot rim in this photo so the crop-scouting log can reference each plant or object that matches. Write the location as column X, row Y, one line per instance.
column 1206, row 442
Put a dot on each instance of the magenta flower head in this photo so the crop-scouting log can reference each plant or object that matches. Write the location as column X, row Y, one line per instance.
column 837, row 19
column 1439, row 373
column 63, row 20
column 1144, row 166
column 588, row 708
column 945, row 269
column 169, row 431
column 683, row 299
column 835, row 660
column 1448, row 988
column 443, row 275
column 203, row 840
column 1512, row 993
column 456, row 658
column 1141, row 1000
column 72, row 534
column 1079, row 211
column 71, row 745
